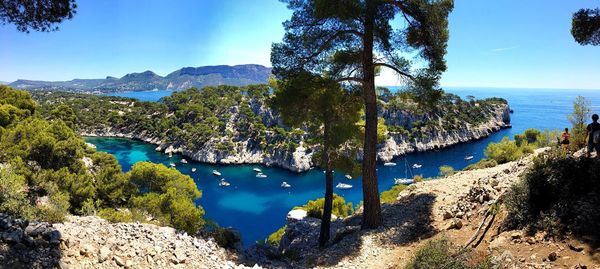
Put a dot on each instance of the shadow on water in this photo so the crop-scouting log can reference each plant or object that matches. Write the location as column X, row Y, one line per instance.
column 28, row 245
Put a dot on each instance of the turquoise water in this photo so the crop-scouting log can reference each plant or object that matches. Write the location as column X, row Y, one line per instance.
column 257, row 207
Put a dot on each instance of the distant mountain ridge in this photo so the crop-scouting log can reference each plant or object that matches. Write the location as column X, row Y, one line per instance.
column 187, row 77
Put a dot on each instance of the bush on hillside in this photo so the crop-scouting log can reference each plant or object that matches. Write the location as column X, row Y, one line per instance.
column 225, row 237
column 13, row 194
column 314, row 208
column 532, row 135
column 441, row 253
column 560, row 194
column 446, row 170
column 504, row 151
column 391, row 195
column 166, row 195
column 520, row 139
column 275, row 237
column 548, row 138
column 483, row 163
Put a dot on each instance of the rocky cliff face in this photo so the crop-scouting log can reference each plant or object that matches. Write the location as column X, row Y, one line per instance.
column 300, row 158
column 399, row 144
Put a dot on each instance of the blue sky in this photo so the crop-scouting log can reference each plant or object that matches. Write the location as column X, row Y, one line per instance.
column 509, row 43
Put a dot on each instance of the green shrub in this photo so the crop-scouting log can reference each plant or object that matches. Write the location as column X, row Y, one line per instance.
column 391, row 195
column 56, row 209
column 483, row 163
column 13, row 194
column 314, row 208
column 225, row 237
column 116, row 215
column 167, row 195
column 441, row 253
column 504, row 151
column 418, row 178
column 275, row 237
column 520, row 139
column 447, row 170
column 532, row 135
column 548, row 138
column 559, row 195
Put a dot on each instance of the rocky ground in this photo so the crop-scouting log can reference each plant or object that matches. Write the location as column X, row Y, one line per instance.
column 452, row 207
column 90, row 242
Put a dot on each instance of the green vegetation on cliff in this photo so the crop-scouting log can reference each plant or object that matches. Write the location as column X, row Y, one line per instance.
column 47, row 171
column 225, row 119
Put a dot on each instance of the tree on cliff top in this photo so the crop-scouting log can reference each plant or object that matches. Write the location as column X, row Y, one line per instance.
column 585, row 26
column 351, row 40
column 331, row 114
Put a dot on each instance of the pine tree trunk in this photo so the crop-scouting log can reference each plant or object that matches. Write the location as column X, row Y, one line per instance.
column 328, row 203
column 372, row 207
column 327, row 208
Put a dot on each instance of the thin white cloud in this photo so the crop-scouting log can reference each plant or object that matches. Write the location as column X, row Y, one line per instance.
column 504, row 49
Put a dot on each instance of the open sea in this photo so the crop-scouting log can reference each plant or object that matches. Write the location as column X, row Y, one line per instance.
column 257, row 207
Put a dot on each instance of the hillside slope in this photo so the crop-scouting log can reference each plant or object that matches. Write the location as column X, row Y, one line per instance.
column 236, row 125
column 451, row 207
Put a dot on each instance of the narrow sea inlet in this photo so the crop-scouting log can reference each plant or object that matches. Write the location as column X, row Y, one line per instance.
column 257, row 207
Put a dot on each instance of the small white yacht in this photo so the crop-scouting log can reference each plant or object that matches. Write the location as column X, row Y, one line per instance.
column 285, row 185
column 403, row 181
column 184, row 161
column 193, row 169
column 224, row 183
column 343, row 186
column 417, row 166
column 470, row 157
column 172, row 164
column 261, row 175
column 216, row 173
column 348, row 176
column 257, row 170
column 170, row 155
column 389, row 164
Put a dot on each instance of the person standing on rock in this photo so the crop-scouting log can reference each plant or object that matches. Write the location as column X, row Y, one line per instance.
column 593, row 134
column 565, row 139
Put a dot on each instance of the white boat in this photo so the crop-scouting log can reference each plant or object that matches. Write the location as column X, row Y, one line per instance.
column 170, row 154
column 417, row 166
column 257, row 170
column 468, row 158
column 216, row 173
column 193, row 170
column 389, row 164
column 224, row 183
column 403, row 181
column 343, row 186
column 348, row 176
column 406, row 180
column 285, row 185
column 172, row 164
column 261, row 175
column 184, row 161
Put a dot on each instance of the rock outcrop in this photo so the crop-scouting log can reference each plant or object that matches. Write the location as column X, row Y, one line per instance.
column 300, row 159
column 91, row 242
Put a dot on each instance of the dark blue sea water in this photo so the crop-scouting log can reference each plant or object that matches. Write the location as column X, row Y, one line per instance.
column 257, row 207
column 151, row 96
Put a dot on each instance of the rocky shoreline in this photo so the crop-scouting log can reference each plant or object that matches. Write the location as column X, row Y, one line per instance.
column 300, row 159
